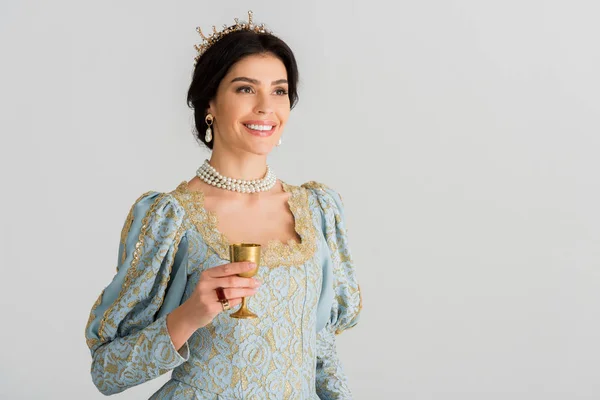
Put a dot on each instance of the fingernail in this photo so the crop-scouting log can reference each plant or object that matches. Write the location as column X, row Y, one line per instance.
column 251, row 265
column 257, row 281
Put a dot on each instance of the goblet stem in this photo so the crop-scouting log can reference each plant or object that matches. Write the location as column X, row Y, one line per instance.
column 243, row 312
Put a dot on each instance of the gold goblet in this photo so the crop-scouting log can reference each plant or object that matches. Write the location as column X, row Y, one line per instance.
column 245, row 252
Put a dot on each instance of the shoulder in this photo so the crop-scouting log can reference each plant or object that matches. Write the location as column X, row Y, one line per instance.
column 155, row 207
column 322, row 200
column 324, row 193
column 154, row 201
column 153, row 216
column 320, row 189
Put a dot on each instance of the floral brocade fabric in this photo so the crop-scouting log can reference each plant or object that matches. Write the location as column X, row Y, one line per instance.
column 309, row 294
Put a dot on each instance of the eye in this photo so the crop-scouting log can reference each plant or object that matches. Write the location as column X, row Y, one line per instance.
column 244, row 89
column 281, row 92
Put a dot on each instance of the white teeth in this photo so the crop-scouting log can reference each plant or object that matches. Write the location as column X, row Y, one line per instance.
column 259, row 127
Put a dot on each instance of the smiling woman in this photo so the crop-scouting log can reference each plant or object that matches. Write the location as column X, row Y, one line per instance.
column 242, row 76
column 169, row 306
column 244, row 93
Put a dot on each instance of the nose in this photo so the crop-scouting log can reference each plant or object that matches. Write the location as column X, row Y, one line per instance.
column 263, row 104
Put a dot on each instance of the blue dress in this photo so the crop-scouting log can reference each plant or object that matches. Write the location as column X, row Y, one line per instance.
column 309, row 294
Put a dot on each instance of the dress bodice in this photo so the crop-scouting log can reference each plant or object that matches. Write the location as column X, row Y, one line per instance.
column 309, row 293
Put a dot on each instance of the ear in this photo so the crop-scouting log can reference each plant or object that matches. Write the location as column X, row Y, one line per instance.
column 211, row 108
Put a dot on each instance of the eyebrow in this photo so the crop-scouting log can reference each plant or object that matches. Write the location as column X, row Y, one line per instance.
column 256, row 81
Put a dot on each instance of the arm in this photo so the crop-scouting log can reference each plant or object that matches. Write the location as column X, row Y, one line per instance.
column 127, row 330
column 331, row 381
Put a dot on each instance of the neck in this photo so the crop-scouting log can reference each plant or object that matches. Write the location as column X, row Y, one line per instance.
column 246, row 166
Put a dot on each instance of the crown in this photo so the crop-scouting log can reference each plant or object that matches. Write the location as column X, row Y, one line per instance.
column 215, row 36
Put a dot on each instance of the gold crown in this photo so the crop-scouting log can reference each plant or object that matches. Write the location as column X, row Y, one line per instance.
column 217, row 35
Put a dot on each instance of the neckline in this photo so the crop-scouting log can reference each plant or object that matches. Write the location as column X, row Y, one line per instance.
column 275, row 252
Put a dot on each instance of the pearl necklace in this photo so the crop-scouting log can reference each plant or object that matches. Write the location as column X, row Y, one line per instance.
column 210, row 175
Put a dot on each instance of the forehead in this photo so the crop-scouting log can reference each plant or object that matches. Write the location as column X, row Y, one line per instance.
column 264, row 67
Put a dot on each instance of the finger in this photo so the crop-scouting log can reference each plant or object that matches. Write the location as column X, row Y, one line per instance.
column 237, row 293
column 230, row 269
column 235, row 282
column 232, row 304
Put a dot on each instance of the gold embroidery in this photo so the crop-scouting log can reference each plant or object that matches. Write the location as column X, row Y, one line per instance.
column 287, row 390
column 167, row 275
column 127, row 226
column 276, row 253
column 314, row 185
column 360, row 306
column 319, row 185
column 91, row 342
column 341, row 252
column 360, row 301
column 132, row 272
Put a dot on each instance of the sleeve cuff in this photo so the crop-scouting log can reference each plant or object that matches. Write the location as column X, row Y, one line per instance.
column 184, row 351
column 162, row 349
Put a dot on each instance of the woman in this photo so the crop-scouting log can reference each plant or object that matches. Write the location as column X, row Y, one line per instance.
column 162, row 311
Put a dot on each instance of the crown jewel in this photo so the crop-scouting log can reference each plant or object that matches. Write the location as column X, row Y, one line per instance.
column 215, row 36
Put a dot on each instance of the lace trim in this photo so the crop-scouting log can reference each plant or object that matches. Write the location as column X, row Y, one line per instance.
column 319, row 185
column 91, row 342
column 275, row 253
column 127, row 227
column 132, row 272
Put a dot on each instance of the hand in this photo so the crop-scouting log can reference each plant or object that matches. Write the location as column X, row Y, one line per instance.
column 204, row 304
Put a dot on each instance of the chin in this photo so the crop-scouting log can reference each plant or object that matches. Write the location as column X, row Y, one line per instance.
column 262, row 147
column 262, row 150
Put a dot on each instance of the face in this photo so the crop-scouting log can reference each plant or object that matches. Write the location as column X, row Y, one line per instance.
column 252, row 105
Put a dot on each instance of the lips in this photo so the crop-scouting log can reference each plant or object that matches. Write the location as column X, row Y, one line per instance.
column 260, row 128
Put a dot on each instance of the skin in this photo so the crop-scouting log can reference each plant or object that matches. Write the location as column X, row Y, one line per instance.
column 254, row 89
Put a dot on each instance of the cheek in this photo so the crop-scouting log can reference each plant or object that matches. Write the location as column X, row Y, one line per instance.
column 232, row 109
column 283, row 112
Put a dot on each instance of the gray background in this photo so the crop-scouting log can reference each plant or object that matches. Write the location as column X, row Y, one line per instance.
column 462, row 135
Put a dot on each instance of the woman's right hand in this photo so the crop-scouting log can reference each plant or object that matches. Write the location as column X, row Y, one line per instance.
column 203, row 305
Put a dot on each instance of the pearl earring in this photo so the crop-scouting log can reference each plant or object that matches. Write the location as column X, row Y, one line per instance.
column 279, row 143
column 209, row 121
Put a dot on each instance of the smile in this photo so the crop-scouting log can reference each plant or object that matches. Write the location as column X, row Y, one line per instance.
column 260, row 129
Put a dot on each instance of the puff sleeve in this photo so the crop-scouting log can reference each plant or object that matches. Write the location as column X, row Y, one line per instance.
column 126, row 331
column 331, row 381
